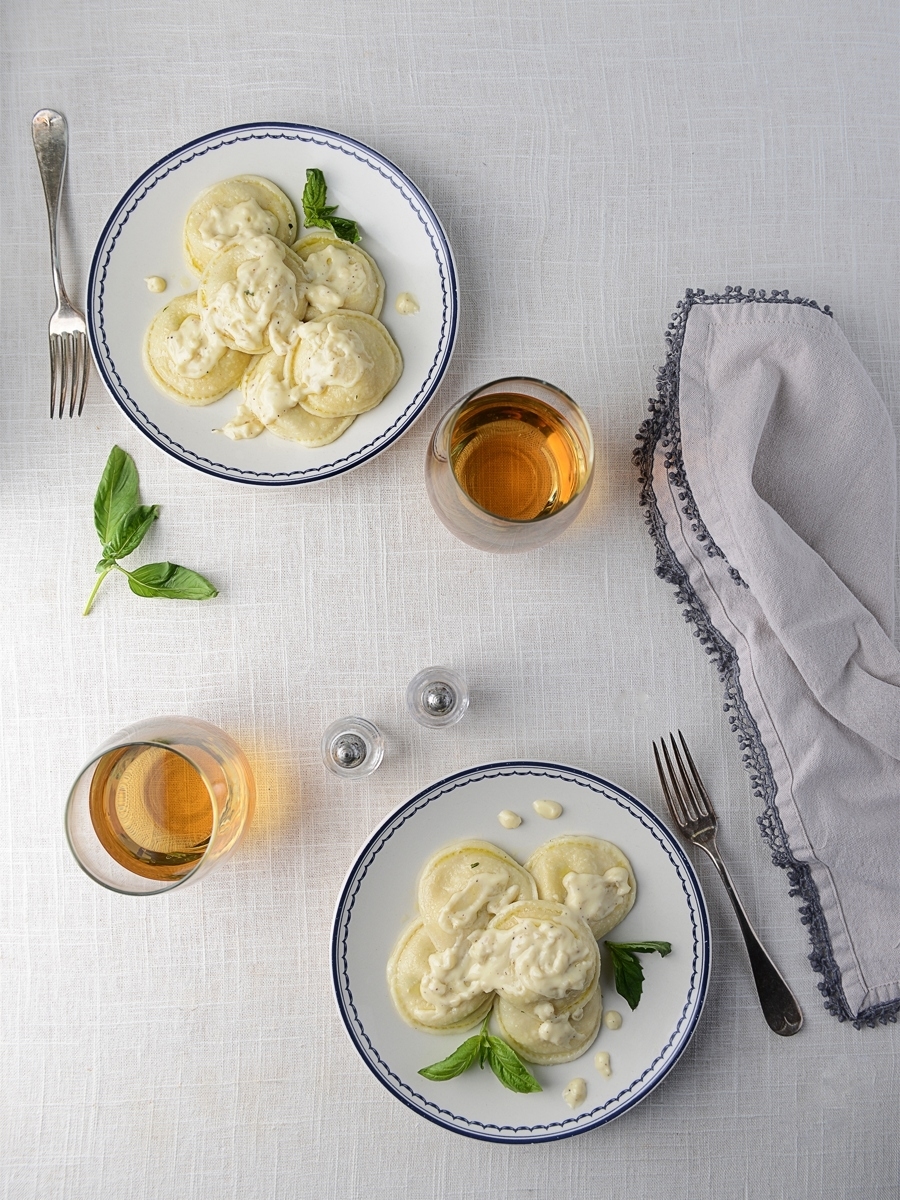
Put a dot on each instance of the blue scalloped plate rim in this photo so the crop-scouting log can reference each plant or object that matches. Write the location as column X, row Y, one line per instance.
column 351, row 1003
column 406, row 189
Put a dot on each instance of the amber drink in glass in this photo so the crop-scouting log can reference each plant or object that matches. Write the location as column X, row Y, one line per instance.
column 159, row 804
column 510, row 466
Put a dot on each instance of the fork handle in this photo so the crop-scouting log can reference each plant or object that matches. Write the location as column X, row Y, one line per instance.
column 780, row 1007
column 50, row 135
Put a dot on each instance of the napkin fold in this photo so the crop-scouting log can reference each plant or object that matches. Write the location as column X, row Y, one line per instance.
column 769, row 470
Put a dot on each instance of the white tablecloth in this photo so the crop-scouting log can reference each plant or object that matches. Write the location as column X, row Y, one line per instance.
column 589, row 160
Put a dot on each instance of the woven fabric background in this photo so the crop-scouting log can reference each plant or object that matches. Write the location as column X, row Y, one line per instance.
column 589, row 159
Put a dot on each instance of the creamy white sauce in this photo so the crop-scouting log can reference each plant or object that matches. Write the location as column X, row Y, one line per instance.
column 450, row 980
column 485, row 892
column 554, row 1029
column 155, row 283
column 261, row 302
column 509, row 819
column 194, row 348
column 601, row 1062
column 267, row 396
column 575, row 1093
column 406, row 304
column 534, row 957
column 548, row 809
column 530, row 958
column 244, row 424
column 333, row 276
column 337, row 357
column 595, row 896
column 613, row 1019
column 243, row 221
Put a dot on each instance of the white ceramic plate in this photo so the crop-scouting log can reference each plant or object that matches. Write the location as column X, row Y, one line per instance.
column 378, row 901
column 144, row 237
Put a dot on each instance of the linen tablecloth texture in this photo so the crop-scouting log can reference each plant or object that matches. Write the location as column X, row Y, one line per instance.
column 769, row 467
column 590, row 160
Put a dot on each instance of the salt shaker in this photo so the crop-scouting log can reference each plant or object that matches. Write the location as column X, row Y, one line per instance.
column 352, row 747
column 437, row 697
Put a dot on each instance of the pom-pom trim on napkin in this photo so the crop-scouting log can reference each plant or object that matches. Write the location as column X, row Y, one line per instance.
column 662, row 429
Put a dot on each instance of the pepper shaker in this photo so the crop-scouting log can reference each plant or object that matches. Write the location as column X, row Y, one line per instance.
column 437, row 697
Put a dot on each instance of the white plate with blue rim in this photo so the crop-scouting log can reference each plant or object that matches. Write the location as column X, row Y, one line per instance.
column 143, row 238
column 378, row 901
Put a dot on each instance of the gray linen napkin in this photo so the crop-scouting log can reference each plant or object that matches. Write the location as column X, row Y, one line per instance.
column 769, row 468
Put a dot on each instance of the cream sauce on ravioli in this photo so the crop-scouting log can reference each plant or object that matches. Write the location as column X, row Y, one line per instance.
column 333, row 277
column 268, row 396
column 263, row 299
column 240, row 222
column 529, row 958
column 194, row 348
column 336, row 358
column 556, row 1028
column 595, row 896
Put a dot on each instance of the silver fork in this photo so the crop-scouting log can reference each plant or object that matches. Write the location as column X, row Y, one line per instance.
column 693, row 813
column 69, row 359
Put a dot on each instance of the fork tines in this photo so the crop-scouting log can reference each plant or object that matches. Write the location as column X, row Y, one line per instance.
column 68, row 372
column 685, row 793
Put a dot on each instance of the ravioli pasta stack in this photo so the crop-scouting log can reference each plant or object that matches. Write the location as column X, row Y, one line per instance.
column 293, row 324
column 523, row 940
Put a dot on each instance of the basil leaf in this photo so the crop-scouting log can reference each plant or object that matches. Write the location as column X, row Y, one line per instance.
column 314, row 194
column 131, row 532
column 660, row 948
column 319, row 215
column 348, row 230
column 483, row 1048
column 457, row 1062
column 117, row 494
column 169, row 581
column 484, row 1045
column 509, row 1068
column 629, row 974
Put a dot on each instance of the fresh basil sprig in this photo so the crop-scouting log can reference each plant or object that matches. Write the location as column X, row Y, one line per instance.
column 318, row 214
column 485, row 1048
column 629, row 973
column 121, row 524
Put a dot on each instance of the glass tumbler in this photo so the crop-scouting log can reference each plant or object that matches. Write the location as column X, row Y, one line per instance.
column 510, row 466
column 159, row 804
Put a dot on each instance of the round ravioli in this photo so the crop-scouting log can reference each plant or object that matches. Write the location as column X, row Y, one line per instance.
column 235, row 209
column 298, row 425
column 407, row 967
column 547, row 1041
column 464, row 885
column 268, row 397
column 545, row 953
column 591, row 876
column 254, row 295
column 220, row 368
column 341, row 276
column 344, row 364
